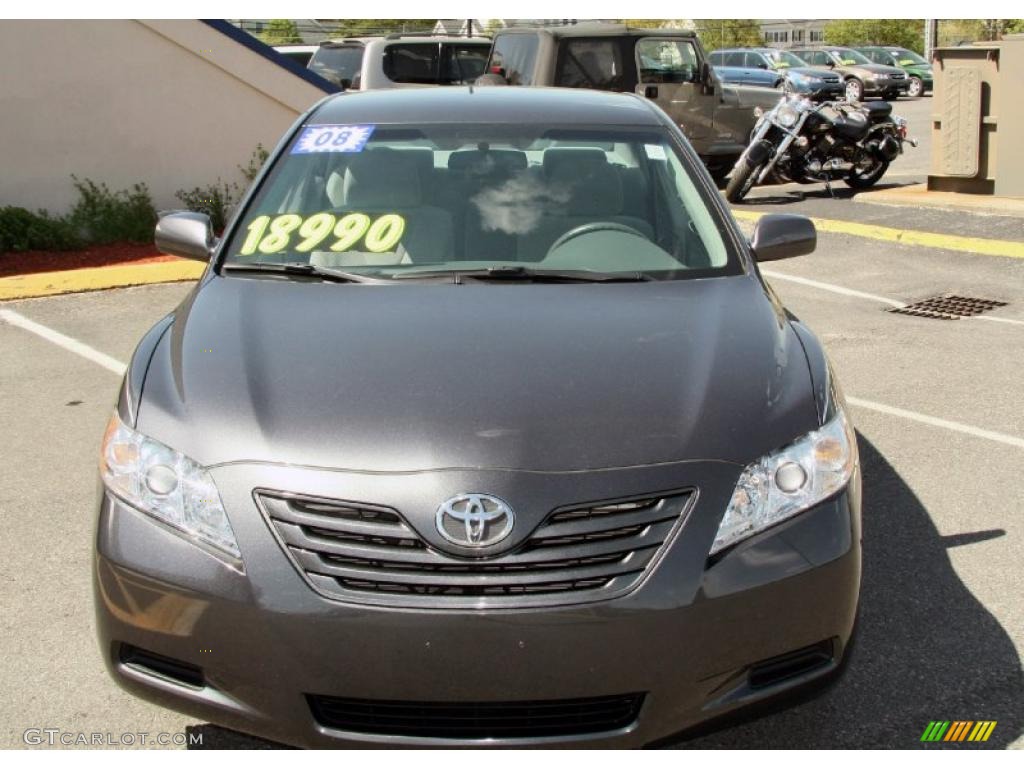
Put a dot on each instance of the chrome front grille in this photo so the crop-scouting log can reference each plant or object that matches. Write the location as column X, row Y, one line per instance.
column 830, row 78
column 897, row 76
column 363, row 553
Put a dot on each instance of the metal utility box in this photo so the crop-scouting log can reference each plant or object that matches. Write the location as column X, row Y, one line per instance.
column 978, row 119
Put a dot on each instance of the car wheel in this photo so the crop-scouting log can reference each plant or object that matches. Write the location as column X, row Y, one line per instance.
column 916, row 87
column 854, row 90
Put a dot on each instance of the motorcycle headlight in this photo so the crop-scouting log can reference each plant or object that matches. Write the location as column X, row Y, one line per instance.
column 786, row 482
column 787, row 116
column 165, row 484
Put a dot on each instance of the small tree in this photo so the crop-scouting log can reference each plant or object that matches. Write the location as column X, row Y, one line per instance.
column 281, row 32
column 365, row 27
column 728, row 33
column 906, row 33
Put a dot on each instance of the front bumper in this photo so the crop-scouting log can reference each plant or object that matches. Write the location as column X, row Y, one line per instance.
column 687, row 638
column 878, row 87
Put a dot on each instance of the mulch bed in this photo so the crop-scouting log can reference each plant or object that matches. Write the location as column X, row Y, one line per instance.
column 31, row 262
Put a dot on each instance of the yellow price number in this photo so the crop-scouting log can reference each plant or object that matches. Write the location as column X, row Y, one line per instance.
column 274, row 234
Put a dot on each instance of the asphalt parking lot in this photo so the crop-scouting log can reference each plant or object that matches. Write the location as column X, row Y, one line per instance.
column 937, row 405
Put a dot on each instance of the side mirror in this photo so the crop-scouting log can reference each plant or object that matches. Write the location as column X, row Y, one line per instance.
column 782, row 236
column 706, row 78
column 185, row 234
column 761, row 65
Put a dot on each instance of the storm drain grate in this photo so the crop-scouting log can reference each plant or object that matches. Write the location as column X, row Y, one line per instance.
column 948, row 307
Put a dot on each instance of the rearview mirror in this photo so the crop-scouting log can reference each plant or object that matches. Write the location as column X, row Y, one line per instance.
column 186, row 234
column 782, row 236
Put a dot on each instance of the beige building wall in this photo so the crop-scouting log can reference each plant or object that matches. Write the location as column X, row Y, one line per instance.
column 174, row 104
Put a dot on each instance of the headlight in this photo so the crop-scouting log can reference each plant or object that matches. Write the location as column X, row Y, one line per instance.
column 798, row 79
column 166, row 484
column 787, row 116
column 787, row 482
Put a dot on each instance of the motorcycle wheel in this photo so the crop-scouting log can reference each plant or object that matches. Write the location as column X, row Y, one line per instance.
column 860, row 178
column 741, row 182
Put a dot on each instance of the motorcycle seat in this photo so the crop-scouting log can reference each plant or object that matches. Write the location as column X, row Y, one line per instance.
column 877, row 109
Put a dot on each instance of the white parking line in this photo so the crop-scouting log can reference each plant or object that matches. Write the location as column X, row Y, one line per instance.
column 833, row 288
column 72, row 345
column 116, row 366
column 953, row 426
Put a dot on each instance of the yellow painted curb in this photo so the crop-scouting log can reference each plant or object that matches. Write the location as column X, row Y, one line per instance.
column 97, row 278
column 978, row 245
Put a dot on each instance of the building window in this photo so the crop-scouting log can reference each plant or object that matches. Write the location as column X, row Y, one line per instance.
column 817, row 35
column 776, row 37
column 798, row 35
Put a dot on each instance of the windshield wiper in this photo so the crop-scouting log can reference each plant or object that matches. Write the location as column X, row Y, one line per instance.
column 304, row 270
column 529, row 274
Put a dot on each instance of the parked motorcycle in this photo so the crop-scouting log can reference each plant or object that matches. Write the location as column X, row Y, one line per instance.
column 798, row 140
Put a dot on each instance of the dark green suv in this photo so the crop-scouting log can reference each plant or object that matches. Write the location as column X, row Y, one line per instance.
column 918, row 68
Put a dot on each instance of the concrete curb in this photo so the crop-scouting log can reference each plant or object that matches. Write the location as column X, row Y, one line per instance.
column 973, row 245
column 918, row 196
column 97, row 278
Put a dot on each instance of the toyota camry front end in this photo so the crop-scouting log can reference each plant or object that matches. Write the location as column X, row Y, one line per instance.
column 481, row 428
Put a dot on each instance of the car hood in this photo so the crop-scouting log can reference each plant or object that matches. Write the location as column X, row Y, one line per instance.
column 875, row 69
column 419, row 376
column 811, row 71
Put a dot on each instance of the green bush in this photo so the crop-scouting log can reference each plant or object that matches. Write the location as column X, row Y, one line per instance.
column 101, row 216
column 215, row 200
column 22, row 230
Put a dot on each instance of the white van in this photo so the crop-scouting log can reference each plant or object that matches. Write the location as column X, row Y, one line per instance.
column 400, row 60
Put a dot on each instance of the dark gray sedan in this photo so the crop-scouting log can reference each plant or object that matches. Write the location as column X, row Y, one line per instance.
column 481, row 428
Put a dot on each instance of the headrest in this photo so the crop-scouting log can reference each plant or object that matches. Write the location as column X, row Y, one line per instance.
column 382, row 179
column 596, row 188
column 576, row 160
column 482, row 162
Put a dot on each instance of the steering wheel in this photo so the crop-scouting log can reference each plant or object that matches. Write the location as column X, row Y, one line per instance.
column 596, row 226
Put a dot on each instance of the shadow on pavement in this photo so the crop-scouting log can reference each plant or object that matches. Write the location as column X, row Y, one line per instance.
column 926, row 648
column 816, row 191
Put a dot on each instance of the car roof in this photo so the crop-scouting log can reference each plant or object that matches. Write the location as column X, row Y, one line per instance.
column 487, row 104
column 409, row 38
column 600, row 30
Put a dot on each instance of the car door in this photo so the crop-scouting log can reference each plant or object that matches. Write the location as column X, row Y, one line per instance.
column 669, row 73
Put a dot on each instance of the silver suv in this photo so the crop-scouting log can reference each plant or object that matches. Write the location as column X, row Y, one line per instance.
column 397, row 61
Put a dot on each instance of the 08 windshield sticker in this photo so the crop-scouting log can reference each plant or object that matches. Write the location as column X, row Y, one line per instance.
column 289, row 231
column 332, row 138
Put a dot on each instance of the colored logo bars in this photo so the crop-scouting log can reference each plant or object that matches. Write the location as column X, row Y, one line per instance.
column 958, row 730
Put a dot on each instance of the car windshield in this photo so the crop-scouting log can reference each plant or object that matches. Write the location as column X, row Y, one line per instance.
column 848, row 57
column 394, row 201
column 340, row 64
column 785, row 59
column 907, row 58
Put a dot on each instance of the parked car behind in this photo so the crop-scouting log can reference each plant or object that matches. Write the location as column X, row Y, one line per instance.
column 668, row 66
column 504, row 441
column 917, row 67
column 794, row 74
column 397, row 61
column 860, row 77
column 300, row 54
column 734, row 67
